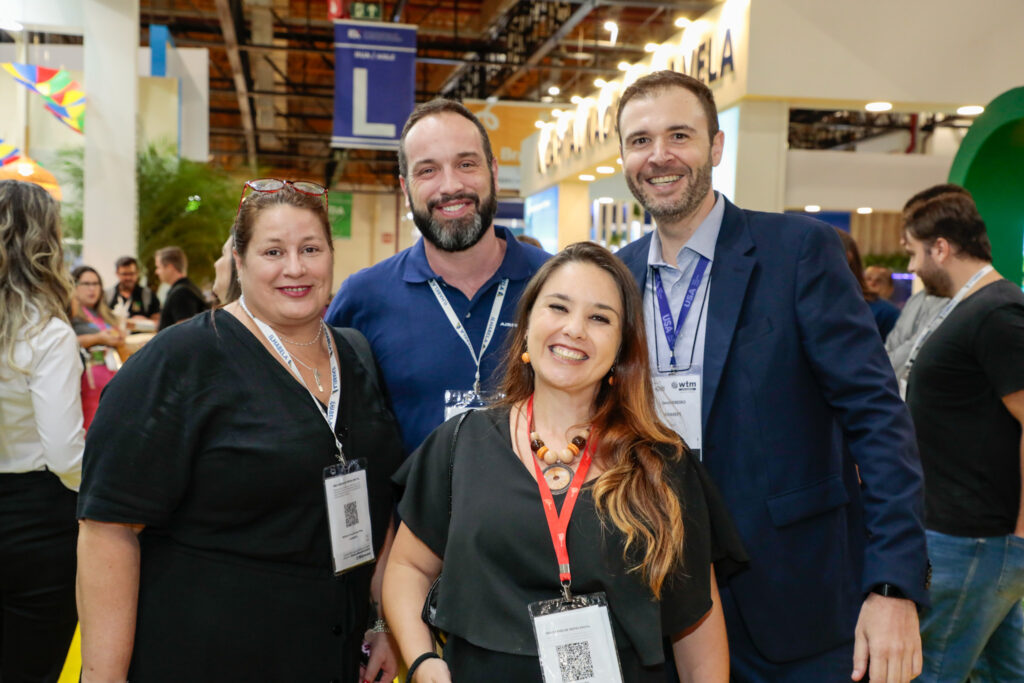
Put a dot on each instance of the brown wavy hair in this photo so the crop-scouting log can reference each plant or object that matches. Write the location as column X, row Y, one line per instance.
column 36, row 285
column 634, row 492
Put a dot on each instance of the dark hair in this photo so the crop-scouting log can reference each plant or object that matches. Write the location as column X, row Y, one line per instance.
column 172, row 256
column 101, row 304
column 660, row 81
column 253, row 204
column 126, row 261
column 954, row 217
column 634, row 490
column 854, row 261
column 931, row 193
column 433, row 108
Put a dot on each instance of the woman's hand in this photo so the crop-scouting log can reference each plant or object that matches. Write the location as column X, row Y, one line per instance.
column 111, row 337
column 432, row 671
column 383, row 658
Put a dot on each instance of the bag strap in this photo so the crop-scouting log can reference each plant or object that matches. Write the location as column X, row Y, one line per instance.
column 361, row 346
column 451, row 459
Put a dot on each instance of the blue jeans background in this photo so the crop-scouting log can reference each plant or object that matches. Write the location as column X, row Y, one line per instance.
column 975, row 625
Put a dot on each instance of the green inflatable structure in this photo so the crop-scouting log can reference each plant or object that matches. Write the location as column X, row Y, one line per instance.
column 990, row 164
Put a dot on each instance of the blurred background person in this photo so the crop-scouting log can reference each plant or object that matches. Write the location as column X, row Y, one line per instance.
column 225, row 276
column 878, row 279
column 141, row 305
column 99, row 334
column 184, row 299
column 210, row 558
column 41, row 438
column 578, row 406
column 885, row 313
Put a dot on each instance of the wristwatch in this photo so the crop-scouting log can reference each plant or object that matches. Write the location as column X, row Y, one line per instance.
column 888, row 590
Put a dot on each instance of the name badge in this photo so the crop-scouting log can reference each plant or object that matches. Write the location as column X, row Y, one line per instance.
column 575, row 641
column 457, row 402
column 678, row 400
column 348, row 515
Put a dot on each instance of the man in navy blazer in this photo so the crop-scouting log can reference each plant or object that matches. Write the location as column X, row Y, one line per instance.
column 797, row 406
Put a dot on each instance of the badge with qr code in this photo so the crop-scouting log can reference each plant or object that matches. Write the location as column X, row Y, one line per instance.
column 575, row 641
column 348, row 515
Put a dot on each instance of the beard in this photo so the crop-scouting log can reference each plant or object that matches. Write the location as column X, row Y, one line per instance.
column 671, row 210
column 456, row 234
column 936, row 281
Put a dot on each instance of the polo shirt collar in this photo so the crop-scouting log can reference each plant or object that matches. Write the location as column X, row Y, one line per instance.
column 702, row 242
column 514, row 265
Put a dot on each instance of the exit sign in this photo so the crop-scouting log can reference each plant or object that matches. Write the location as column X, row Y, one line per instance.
column 367, row 11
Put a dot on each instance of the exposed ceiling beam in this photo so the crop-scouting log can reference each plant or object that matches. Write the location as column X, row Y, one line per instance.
column 547, row 46
column 227, row 24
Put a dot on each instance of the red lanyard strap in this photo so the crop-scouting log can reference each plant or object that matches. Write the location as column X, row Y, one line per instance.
column 558, row 524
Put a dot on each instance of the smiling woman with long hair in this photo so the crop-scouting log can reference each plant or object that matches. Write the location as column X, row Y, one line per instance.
column 41, row 438
column 575, row 430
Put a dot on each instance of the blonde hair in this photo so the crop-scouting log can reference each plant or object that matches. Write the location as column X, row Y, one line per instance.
column 36, row 286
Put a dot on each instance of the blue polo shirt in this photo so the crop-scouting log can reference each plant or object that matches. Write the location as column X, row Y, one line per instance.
column 419, row 353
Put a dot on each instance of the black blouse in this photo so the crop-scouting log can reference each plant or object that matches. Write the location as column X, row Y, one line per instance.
column 498, row 555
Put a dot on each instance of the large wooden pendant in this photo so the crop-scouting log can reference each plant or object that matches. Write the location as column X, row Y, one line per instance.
column 558, row 478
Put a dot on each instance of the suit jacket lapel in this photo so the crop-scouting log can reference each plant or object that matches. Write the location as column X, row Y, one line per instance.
column 730, row 274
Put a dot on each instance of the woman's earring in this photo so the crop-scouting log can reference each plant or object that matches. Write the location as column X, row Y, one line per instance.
column 526, row 357
column 611, row 376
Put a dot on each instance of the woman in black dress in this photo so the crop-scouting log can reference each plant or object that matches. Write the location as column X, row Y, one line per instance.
column 646, row 526
column 209, row 547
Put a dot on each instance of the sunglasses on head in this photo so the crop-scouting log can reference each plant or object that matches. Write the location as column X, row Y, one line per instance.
column 271, row 185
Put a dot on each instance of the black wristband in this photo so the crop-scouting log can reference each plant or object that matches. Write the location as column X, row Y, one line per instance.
column 888, row 590
column 416, row 664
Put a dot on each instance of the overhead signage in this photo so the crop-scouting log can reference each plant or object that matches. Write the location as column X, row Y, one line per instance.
column 377, row 58
column 507, row 125
column 708, row 50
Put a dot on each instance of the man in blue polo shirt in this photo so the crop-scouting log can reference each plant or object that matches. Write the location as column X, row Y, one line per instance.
column 437, row 313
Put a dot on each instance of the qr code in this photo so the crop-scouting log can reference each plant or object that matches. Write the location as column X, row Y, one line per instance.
column 574, row 661
column 351, row 515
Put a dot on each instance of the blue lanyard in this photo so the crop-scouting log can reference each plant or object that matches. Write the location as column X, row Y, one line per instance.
column 665, row 310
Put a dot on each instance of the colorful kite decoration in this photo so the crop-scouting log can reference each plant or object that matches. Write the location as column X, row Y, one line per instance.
column 64, row 97
column 8, row 153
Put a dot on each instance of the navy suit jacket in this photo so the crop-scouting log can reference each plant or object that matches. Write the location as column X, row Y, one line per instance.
column 797, row 391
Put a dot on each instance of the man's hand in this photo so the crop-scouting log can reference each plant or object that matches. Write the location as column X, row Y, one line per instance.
column 888, row 635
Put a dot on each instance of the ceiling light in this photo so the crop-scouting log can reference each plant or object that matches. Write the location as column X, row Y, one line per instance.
column 600, row 82
column 878, row 106
column 864, row 210
column 25, row 168
column 970, row 110
column 586, row 177
column 605, row 200
column 651, row 47
column 612, row 28
column 812, row 208
column 556, row 112
column 624, row 66
column 554, row 90
column 10, row 25
column 682, row 22
column 575, row 99
column 538, row 124
column 606, row 169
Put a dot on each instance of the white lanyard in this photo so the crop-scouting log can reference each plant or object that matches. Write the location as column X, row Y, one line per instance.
column 937, row 320
column 492, row 323
column 331, row 414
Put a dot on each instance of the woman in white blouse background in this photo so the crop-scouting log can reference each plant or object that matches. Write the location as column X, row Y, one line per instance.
column 41, row 438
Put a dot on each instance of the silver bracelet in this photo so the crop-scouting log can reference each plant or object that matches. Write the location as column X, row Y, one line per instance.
column 380, row 626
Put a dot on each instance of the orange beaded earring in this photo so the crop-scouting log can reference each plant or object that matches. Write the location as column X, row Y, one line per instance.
column 526, row 357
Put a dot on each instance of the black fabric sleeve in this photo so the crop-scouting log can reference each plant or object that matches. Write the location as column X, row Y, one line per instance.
column 141, row 444
column 709, row 537
column 154, row 303
column 999, row 345
column 426, row 499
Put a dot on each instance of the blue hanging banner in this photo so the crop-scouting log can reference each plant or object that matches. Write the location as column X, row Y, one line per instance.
column 379, row 59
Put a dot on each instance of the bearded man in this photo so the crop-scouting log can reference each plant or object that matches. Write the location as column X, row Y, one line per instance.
column 766, row 359
column 436, row 314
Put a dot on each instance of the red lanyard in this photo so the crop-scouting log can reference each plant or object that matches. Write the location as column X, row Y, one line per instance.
column 94, row 319
column 558, row 524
